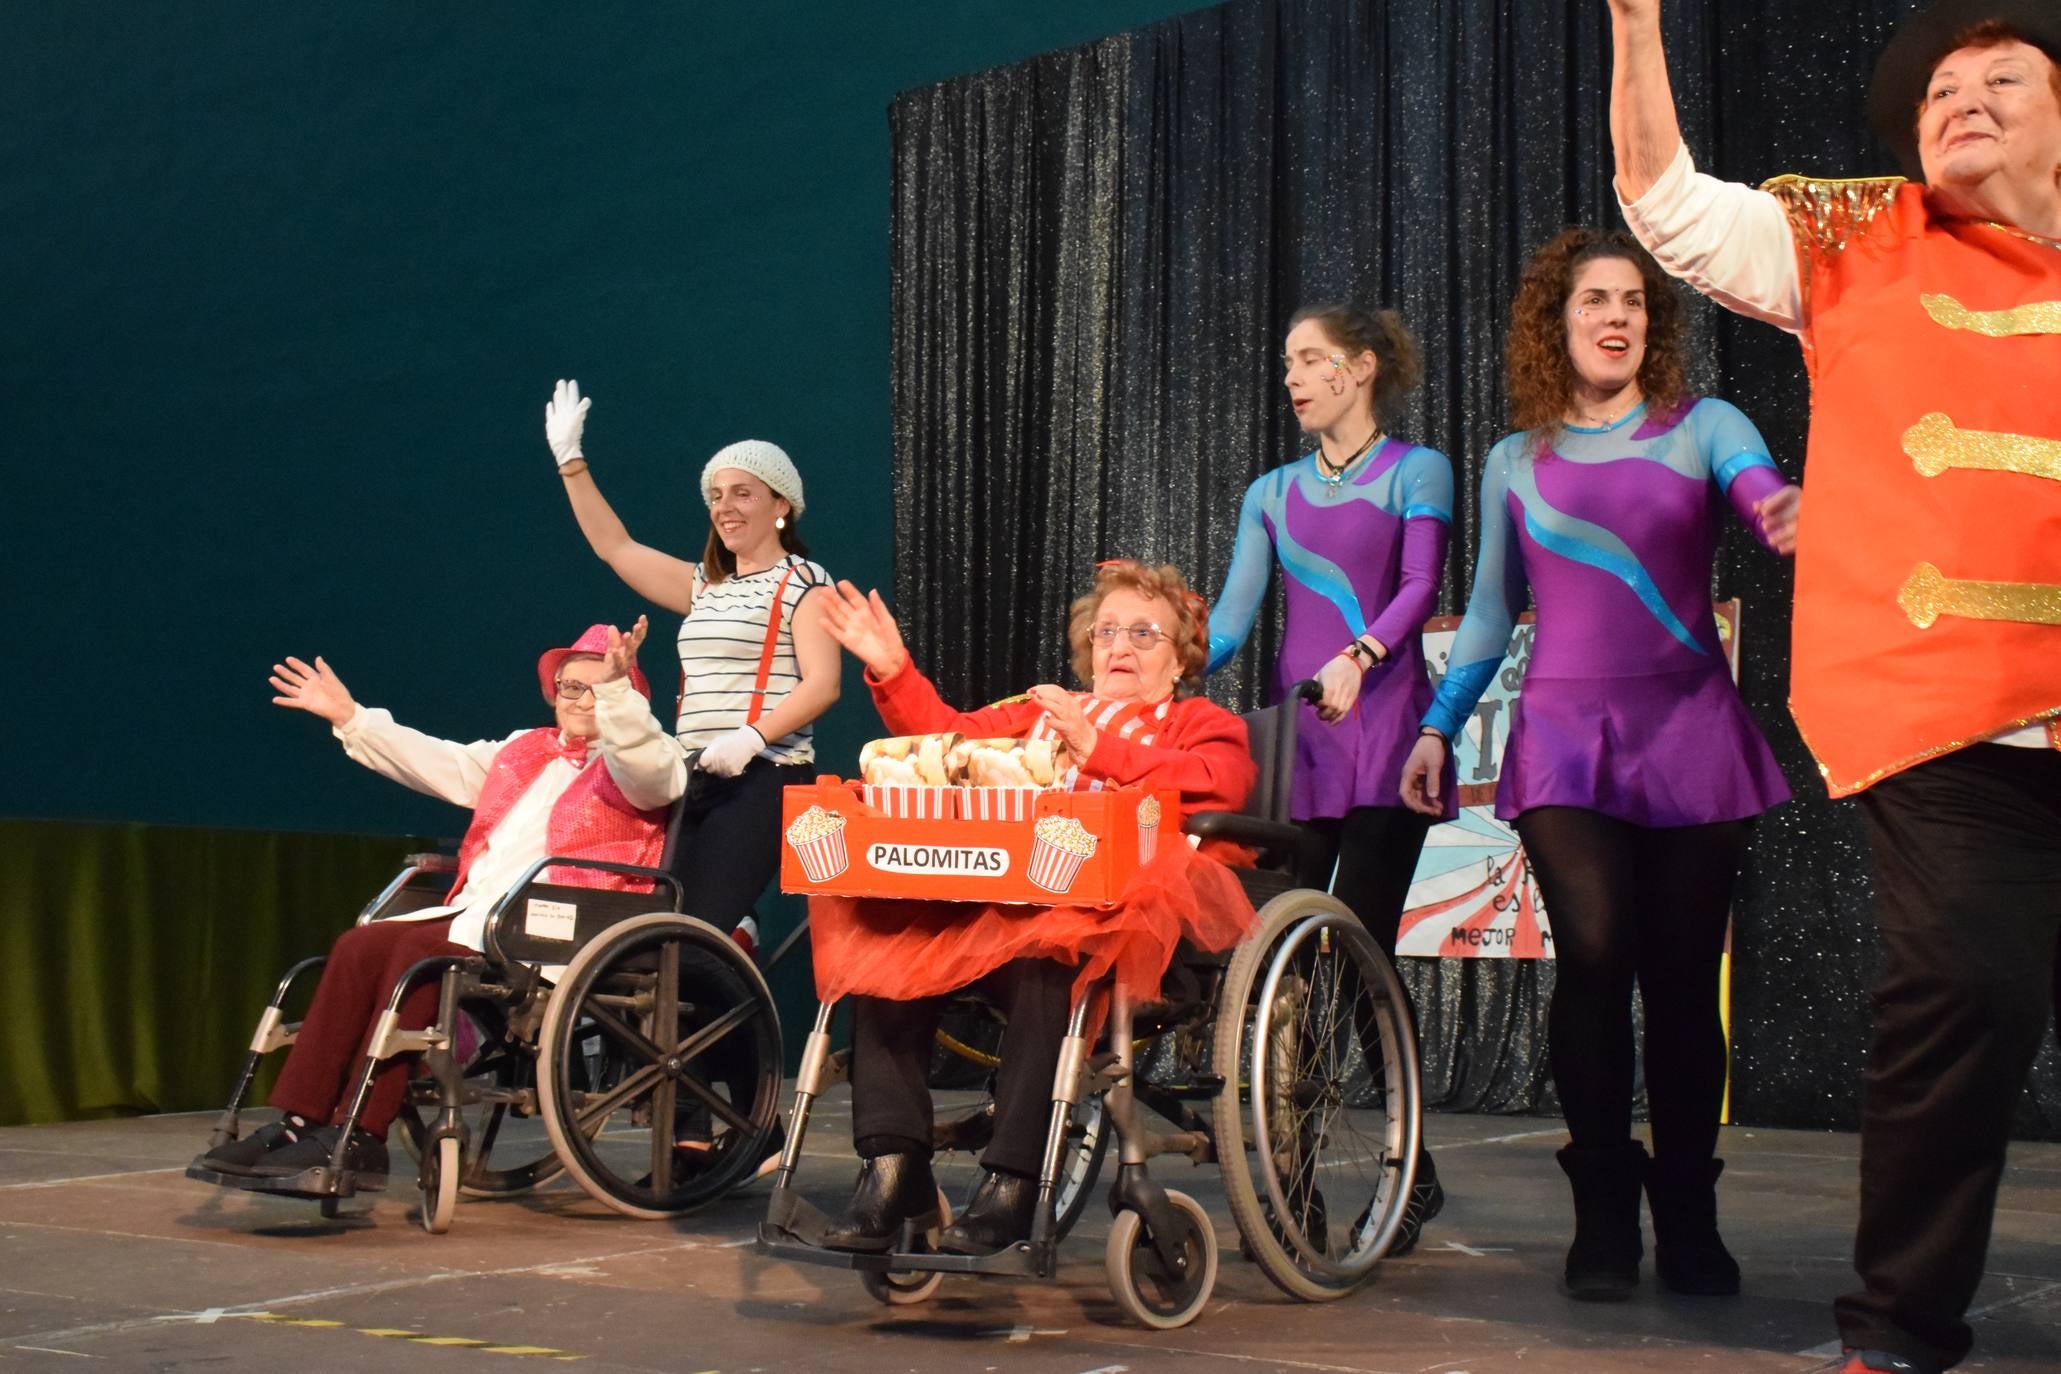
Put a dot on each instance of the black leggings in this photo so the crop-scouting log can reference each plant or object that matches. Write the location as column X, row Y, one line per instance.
column 729, row 843
column 1376, row 849
column 1627, row 903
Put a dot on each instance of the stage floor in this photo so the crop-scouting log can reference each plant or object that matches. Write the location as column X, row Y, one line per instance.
column 109, row 1256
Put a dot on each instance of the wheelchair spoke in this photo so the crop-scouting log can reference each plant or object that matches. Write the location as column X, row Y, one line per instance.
column 715, row 1030
column 594, row 1109
column 626, row 1036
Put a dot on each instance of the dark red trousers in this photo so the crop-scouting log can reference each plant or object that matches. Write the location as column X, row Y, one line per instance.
column 364, row 964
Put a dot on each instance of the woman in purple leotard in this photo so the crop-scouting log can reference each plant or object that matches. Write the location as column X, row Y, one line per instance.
column 1633, row 772
column 1360, row 527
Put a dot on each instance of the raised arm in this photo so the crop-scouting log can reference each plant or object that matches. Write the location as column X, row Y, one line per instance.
column 1643, row 128
column 435, row 767
column 658, row 577
column 1729, row 241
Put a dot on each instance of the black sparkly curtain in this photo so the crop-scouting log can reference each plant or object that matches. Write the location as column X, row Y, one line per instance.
column 1094, row 255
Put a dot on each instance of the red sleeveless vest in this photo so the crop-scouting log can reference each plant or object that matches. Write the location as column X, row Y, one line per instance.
column 592, row 820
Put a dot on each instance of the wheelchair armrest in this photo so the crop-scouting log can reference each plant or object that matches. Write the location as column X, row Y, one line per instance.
column 432, row 863
column 1255, row 832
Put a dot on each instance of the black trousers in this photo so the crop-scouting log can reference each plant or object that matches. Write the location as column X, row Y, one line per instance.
column 891, row 1042
column 1375, row 849
column 1967, row 853
column 1631, row 903
column 729, row 844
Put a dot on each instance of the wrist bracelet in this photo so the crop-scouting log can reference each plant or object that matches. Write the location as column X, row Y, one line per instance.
column 573, row 467
column 1433, row 732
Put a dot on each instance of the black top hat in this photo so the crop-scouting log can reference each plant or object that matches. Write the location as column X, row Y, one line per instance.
column 1905, row 67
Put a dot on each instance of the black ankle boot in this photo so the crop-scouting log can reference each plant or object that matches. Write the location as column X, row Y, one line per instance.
column 999, row 1216
column 893, row 1190
column 1603, row 1262
column 1687, row 1250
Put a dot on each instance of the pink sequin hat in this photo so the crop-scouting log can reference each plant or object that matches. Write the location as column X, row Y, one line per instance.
column 594, row 641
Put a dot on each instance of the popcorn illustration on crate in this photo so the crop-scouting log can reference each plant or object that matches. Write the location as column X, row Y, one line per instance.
column 1061, row 846
column 1148, row 829
column 817, row 838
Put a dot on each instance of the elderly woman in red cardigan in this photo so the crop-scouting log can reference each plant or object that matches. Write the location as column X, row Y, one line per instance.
column 1138, row 635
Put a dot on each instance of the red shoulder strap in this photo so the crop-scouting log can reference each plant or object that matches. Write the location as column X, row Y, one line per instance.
column 758, row 688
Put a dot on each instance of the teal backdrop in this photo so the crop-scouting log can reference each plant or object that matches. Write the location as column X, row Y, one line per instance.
column 286, row 289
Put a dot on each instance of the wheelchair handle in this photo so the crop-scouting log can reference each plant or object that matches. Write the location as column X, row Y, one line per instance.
column 1307, row 690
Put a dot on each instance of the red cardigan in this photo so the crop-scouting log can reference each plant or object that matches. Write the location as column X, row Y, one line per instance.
column 1201, row 750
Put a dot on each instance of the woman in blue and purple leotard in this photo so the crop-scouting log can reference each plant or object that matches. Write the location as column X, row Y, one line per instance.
column 1633, row 772
column 1360, row 527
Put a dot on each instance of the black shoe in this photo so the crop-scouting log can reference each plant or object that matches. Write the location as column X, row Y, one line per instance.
column 893, row 1190
column 1427, row 1200
column 999, row 1216
column 366, row 1154
column 1688, row 1253
column 1603, row 1262
column 239, row 1156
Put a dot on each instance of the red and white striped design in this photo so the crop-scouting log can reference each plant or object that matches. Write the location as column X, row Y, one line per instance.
column 1148, row 841
column 998, row 803
column 913, row 803
column 1126, row 719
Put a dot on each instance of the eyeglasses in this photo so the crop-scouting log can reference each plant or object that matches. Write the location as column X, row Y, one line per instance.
column 1142, row 636
column 569, row 690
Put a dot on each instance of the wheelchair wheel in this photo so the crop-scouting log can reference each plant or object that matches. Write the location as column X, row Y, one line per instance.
column 437, row 1175
column 1139, row 1279
column 1318, row 1143
column 904, row 1288
column 499, row 1068
column 659, row 1066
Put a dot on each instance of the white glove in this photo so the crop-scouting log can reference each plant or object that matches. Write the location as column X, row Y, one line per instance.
column 565, row 415
column 727, row 757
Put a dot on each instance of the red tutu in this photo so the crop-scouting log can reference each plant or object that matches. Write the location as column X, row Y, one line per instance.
column 904, row 950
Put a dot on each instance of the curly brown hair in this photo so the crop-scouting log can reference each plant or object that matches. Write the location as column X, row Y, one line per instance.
column 1191, row 615
column 1538, row 373
column 1398, row 364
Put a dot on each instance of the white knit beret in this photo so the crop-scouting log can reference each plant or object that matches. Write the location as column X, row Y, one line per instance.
column 767, row 462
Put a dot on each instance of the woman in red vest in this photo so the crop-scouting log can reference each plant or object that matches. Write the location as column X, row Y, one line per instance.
column 1926, row 663
column 535, row 793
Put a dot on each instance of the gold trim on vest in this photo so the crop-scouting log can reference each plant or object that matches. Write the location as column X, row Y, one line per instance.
column 1935, row 445
column 2038, row 317
column 1927, row 595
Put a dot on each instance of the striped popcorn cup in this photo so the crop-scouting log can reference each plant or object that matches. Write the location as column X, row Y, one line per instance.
column 906, row 801
column 817, row 839
column 997, row 803
column 1061, row 845
column 1148, row 829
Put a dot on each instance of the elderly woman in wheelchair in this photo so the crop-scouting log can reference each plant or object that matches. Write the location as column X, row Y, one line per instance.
column 1299, row 975
column 567, row 839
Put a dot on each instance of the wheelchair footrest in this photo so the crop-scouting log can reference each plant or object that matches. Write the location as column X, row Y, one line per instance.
column 1019, row 1261
column 316, row 1184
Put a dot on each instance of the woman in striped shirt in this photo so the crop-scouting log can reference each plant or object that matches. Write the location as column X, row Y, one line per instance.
column 757, row 666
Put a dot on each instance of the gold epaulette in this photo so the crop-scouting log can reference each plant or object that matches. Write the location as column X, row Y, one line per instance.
column 1827, row 213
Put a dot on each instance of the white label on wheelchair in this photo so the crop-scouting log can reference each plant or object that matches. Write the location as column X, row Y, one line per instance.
column 548, row 920
column 972, row 861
